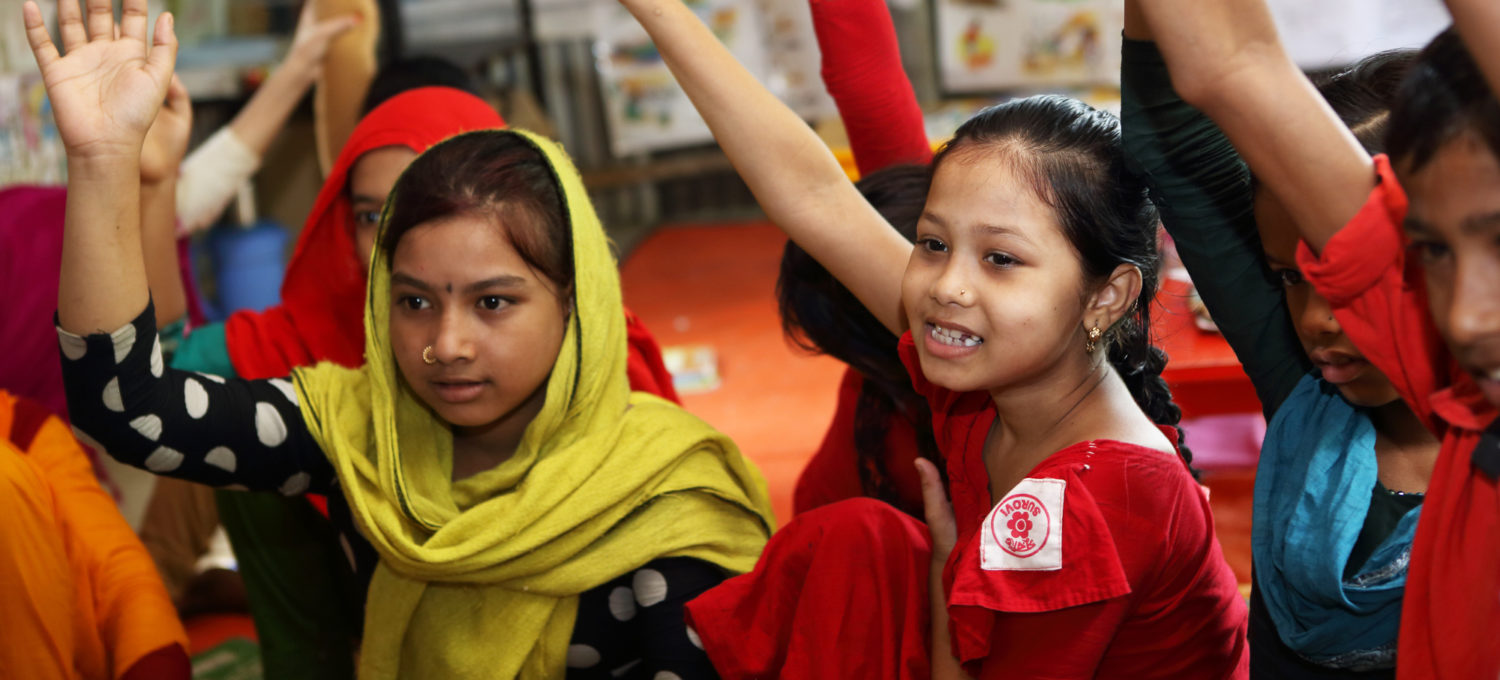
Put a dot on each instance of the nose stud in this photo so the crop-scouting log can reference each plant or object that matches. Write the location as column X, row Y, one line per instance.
column 427, row 357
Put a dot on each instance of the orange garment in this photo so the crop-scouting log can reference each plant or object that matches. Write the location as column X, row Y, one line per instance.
column 79, row 595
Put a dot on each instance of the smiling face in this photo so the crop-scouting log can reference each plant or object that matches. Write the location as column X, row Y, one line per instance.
column 1336, row 357
column 1454, row 227
column 994, row 291
column 371, row 179
column 494, row 323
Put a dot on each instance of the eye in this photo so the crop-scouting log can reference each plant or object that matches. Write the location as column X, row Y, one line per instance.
column 1431, row 252
column 932, row 245
column 367, row 218
column 1001, row 260
column 1288, row 277
column 494, row 302
column 414, row 302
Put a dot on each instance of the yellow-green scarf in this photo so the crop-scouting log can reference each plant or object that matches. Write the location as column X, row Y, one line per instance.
column 480, row 578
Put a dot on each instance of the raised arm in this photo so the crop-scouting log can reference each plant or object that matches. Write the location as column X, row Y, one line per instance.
column 796, row 179
column 862, row 71
column 1227, row 60
column 105, row 93
column 1478, row 22
column 161, row 157
column 1203, row 192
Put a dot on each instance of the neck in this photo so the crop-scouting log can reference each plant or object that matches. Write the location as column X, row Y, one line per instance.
column 1398, row 424
column 479, row 448
column 1035, row 412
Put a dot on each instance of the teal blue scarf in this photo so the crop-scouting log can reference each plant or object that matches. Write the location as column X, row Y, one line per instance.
column 1312, row 492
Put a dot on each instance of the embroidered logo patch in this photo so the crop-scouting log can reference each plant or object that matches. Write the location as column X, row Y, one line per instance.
column 1024, row 530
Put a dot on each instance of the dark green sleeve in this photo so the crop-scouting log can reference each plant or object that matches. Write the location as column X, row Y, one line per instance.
column 303, row 596
column 1203, row 191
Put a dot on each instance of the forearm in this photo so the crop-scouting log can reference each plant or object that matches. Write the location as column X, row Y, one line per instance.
column 862, row 71
column 102, row 284
column 794, row 177
column 269, row 108
column 159, row 245
column 944, row 665
column 347, row 70
column 1226, row 59
column 1478, row 22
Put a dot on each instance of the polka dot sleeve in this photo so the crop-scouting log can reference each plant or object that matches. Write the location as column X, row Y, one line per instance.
column 126, row 402
column 634, row 627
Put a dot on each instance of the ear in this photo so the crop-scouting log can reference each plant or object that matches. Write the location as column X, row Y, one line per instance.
column 1113, row 300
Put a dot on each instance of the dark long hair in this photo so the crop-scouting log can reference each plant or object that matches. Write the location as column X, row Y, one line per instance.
column 493, row 174
column 820, row 315
column 1363, row 94
column 1443, row 95
column 1073, row 156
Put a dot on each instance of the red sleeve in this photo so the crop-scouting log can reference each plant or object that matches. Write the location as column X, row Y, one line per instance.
column 862, row 70
column 832, row 474
column 1377, row 300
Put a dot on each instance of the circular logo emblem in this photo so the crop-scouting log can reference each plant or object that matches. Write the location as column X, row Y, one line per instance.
column 1020, row 525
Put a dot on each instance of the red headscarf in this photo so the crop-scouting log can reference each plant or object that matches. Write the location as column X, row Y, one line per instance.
column 321, row 315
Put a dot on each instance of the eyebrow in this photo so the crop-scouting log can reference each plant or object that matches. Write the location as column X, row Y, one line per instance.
column 1000, row 229
column 361, row 198
column 1479, row 223
column 503, row 281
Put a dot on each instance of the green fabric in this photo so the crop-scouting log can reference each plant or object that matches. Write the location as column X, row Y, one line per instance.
column 302, row 593
column 204, row 350
column 480, row 578
column 1202, row 189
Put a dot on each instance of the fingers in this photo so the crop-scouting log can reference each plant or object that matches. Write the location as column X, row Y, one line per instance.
column 100, row 19
column 935, row 506
column 37, row 35
column 328, row 30
column 162, row 57
column 133, row 20
column 70, row 25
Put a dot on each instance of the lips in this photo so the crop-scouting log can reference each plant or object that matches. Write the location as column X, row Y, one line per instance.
column 1339, row 368
column 1489, row 384
column 950, row 341
column 458, row 391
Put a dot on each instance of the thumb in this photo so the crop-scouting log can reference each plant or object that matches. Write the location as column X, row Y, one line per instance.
column 161, row 60
column 936, row 508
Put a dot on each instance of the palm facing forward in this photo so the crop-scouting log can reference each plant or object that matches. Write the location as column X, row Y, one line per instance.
column 106, row 90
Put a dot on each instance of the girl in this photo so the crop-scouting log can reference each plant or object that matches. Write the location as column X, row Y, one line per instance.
column 1346, row 461
column 525, row 504
column 1078, row 544
column 1442, row 131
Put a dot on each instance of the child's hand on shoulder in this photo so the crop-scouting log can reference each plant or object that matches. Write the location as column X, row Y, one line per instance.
column 108, row 86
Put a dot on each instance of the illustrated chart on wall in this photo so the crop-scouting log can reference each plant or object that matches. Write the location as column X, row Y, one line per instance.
column 990, row 45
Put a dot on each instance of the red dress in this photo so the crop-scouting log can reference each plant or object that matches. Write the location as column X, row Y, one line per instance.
column 1102, row 563
column 1452, row 599
column 832, row 474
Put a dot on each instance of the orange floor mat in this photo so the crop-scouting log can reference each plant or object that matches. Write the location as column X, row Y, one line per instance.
column 716, row 285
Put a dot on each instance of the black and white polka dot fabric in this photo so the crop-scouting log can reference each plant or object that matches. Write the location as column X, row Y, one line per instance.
column 194, row 426
column 249, row 434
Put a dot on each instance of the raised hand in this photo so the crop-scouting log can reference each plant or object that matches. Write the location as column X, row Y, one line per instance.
column 167, row 141
column 310, row 42
column 107, row 88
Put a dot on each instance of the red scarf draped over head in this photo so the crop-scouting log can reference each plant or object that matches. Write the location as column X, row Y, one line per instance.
column 321, row 315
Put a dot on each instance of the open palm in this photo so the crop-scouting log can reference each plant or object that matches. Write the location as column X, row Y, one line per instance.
column 107, row 88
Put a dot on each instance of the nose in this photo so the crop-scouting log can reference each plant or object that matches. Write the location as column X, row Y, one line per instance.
column 952, row 286
column 1317, row 316
column 455, row 337
column 1474, row 310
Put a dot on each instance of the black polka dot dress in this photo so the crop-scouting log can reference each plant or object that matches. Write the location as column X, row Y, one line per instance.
column 249, row 434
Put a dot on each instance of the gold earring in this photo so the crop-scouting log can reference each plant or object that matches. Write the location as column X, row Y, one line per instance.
column 427, row 357
column 1093, row 343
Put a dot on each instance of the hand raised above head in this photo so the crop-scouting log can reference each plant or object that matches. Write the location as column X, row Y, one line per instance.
column 108, row 87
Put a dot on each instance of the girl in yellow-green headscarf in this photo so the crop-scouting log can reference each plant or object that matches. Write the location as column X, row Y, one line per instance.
column 533, row 517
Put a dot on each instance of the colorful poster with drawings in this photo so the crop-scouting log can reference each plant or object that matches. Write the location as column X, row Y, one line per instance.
column 993, row 45
column 646, row 110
